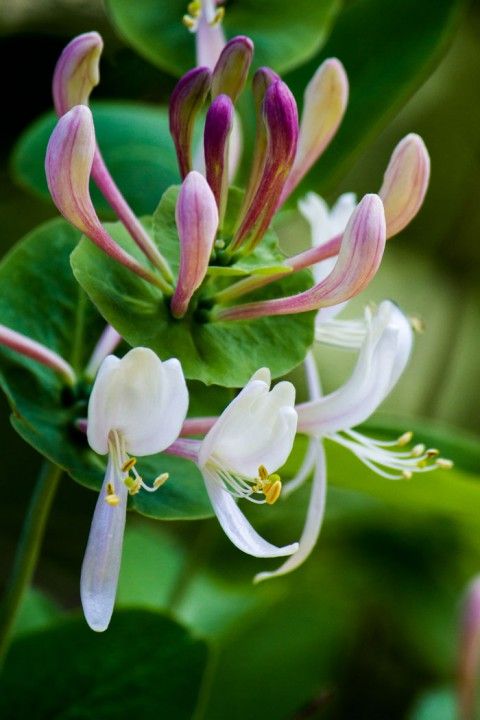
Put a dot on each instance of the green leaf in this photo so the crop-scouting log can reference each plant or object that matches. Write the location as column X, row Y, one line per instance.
column 145, row 666
column 41, row 299
column 135, row 143
column 285, row 34
column 388, row 51
column 223, row 353
column 436, row 705
column 37, row 611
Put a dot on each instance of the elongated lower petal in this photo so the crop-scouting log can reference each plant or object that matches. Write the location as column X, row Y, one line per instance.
column 325, row 101
column 101, row 564
column 236, row 526
column 76, row 72
column 197, row 223
column 405, row 183
column 68, row 164
column 185, row 104
column 313, row 523
column 358, row 261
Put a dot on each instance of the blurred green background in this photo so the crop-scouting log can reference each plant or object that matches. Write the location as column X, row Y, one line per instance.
column 367, row 628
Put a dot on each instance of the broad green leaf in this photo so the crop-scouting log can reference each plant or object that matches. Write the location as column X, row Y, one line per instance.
column 136, row 145
column 145, row 666
column 285, row 34
column 436, row 705
column 37, row 611
column 41, row 299
column 388, row 51
column 224, row 353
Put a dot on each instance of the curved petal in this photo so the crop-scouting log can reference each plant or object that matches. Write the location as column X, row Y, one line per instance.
column 381, row 361
column 101, row 564
column 313, row 523
column 142, row 398
column 76, row 72
column 236, row 526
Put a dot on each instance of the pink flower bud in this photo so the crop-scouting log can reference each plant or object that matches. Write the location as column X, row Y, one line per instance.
column 405, row 183
column 231, row 71
column 197, row 223
column 218, row 126
column 185, row 102
column 76, row 72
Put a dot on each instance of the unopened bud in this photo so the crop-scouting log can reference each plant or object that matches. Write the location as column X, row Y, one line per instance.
column 231, row 71
column 185, row 103
column 76, row 72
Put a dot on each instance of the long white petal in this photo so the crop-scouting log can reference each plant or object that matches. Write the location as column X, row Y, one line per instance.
column 313, row 523
column 236, row 526
column 101, row 564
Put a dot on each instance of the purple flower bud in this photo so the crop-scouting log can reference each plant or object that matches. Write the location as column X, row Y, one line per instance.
column 359, row 259
column 325, row 101
column 197, row 223
column 405, row 183
column 218, row 126
column 76, row 72
column 281, row 123
column 231, row 71
column 68, row 165
column 185, row 102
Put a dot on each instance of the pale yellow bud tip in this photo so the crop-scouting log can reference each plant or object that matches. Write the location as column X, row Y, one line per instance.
column 444, row 464
column 405, row 438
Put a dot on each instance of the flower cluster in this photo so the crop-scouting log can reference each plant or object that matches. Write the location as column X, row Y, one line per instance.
column 138, row 404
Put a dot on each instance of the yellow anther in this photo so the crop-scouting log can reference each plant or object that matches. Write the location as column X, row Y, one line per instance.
column 110, row 489
column 273, row 492
column 129, row 464
column 160, row 480
column 418, row 450
column 194, row 8
column 405, row 438
column 133, row 485
column 444, row 464
column 219, row 15
column 112, row 499
column 189, row 22
column 433, row 452
column 407, row 475
column 417, row 324
column 263, row 473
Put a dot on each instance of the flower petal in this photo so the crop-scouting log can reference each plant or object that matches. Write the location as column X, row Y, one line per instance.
column 76, row 72
column 313, row 522
column 101, row 563
column 236, row 526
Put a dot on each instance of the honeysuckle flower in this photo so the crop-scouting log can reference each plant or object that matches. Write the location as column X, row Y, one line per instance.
column 205, row 19
column 241, row 453
column 358, row 261
column 218, row 127
column 24, row 345
column 469, row 652
column 197, row 223
column 136, row 408
column 68, row 165
column 281, row 125
column 325, row 101
column 76, row 75
column 185, row 103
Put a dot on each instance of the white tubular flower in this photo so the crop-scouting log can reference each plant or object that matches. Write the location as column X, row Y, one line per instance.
column 137, row 407
column 326, row 223
column 240, row 454
column 382, row 359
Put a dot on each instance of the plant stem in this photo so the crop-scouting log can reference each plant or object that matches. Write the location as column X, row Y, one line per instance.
column 27, row 551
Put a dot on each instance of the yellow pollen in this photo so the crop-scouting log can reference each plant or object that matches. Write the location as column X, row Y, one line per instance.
column 160, row 480
column 417, row 324
column 219, row 15
column 273, row 492
column 129, row 464
column 407, row 474
column 444, row 464
column 405, row 438
column 112, row 499
column 433, row 452
column 189, row 22
column 262, row 473
column 194, row 8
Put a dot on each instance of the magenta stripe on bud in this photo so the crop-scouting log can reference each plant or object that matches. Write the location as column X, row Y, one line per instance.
column 358, row 261
column 281, row 122
column 197, row 223
column 325, row 101
column 68, row 165
column 185, row 102
column 36, row 351
column 405, row 183
column 218, row 126
column 76, row 72
column 231, row 71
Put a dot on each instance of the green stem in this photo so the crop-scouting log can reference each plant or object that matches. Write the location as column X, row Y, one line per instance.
column 27, row 551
